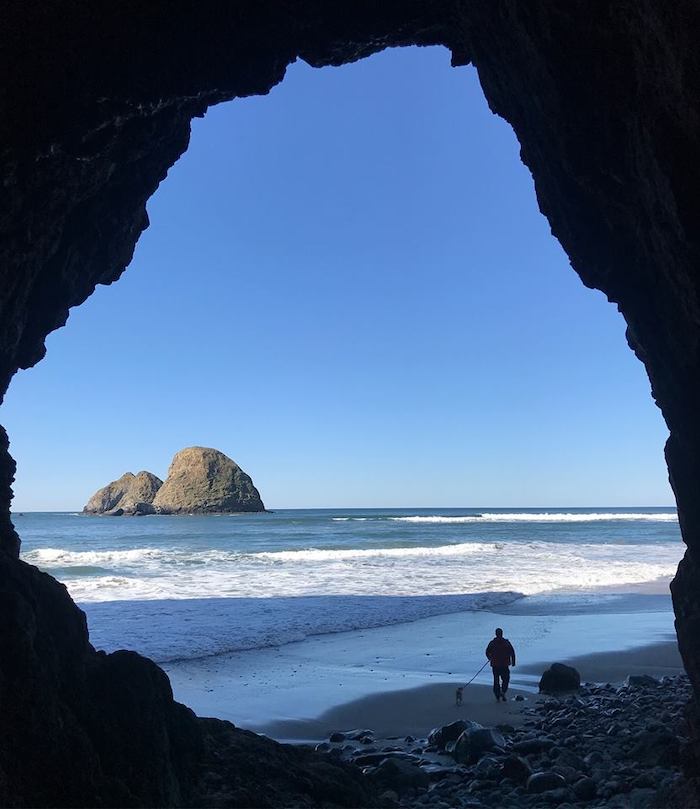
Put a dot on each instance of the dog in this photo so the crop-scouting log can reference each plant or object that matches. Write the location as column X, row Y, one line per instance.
column 458, row 695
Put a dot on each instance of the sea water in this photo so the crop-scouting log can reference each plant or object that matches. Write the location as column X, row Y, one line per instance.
column 191, row 586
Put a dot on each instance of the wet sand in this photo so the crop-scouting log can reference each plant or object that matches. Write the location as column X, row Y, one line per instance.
column 415, row 711
column 401, row 679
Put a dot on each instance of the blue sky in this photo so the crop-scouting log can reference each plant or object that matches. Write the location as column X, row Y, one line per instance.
column 347, row 287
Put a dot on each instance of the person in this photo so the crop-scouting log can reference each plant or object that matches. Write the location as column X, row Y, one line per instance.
column 501, row 655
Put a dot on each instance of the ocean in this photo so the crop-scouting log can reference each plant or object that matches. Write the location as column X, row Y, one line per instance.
column 177, row 588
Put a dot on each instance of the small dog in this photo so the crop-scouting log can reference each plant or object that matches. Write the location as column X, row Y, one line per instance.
column 458, row 695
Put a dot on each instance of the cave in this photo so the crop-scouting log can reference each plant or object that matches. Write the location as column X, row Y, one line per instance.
column 603, row 99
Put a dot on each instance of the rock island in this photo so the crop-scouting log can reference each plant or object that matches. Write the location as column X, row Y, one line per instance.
column 200, row 480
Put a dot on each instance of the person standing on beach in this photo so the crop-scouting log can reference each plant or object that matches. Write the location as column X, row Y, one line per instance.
column 501, row 655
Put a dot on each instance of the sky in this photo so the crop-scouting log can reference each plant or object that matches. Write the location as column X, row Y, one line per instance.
column 347, row 287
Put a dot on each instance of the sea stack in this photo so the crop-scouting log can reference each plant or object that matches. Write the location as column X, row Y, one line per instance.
column 200, row 481
column 130, row 494
column 205, row 481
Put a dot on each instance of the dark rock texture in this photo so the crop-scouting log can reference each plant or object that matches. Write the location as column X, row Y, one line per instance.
column 559, row 678
column 203, row 480
column 94, row 109
column 606, row 746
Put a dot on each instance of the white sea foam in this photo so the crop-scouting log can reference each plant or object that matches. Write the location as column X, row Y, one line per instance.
column 461, row 568
column 544, row 516
column 196, row 587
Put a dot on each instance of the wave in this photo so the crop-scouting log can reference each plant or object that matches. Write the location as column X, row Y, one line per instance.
column 54, row 558
column 545, row 516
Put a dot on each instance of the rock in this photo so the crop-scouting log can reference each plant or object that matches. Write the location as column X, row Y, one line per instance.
column 373, row 759
column 439, row 737
column 569, row 774
column 142, row 509
column 659, row 747
column 641, row 681
column 560, row 678
column 337, row 737
column 475, row 741
column 516, row 768
column 519, row 698
column 528, row 746
column 202, row 480
column 540, row 782
column 488, row 768
column 398, row 775
column 566, row 757
column 585, row 789
column 594, row 759
column 130, row 494
column 389, row 798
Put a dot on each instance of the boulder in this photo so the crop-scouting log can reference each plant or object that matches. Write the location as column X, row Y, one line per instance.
column 585, row 789
column 203, row 480
column 540, row 782
column 398, row 775
column 560, row 678
column 488, row 768
column 530, row 746
column 449, row 733
column 130, row 494
column 142, row 509
column 475, row 741
column 516, row 768
column 655, row 748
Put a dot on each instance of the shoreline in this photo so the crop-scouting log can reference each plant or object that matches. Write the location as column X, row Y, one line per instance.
column 415, row 711
column 286, row 691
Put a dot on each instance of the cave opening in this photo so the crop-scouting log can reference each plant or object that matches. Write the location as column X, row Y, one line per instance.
column 603, row 106
column 361, row 234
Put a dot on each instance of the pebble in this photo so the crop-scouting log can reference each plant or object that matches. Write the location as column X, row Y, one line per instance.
column 603, row 747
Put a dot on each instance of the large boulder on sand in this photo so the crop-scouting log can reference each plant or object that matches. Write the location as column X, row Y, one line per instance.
column 203, row 480
column 127, row 495
column 560, row 678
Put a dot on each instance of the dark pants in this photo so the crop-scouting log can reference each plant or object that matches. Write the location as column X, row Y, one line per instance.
column 501, row 678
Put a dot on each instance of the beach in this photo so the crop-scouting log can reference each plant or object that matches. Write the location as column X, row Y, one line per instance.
column 302, row 622
column 400, row 680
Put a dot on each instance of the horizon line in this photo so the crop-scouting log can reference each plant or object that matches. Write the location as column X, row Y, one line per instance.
column 375, row 508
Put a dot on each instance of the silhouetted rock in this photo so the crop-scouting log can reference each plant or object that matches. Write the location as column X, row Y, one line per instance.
column 203, row 480
column 560, row 678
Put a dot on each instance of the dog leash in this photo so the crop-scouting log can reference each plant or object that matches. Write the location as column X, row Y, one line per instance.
column 476, row 675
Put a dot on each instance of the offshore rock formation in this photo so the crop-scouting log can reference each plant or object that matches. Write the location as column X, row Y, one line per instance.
column 202, row 480
column 131, row 494
column 604, row 101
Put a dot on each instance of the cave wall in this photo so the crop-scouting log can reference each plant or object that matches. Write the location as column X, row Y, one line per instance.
column 603, row 97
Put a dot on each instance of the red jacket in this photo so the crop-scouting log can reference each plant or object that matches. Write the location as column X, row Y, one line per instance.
column 500, row 652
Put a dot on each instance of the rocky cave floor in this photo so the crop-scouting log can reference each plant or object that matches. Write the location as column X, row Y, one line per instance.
column 603, row 746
